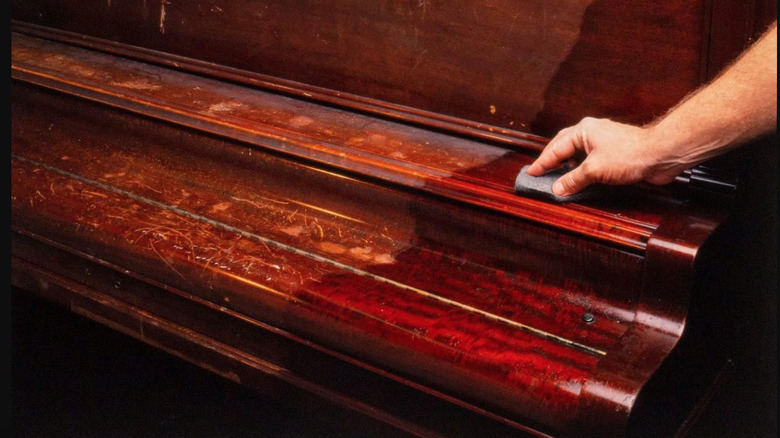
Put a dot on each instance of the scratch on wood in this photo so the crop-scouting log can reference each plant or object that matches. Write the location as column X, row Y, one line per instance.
column 252, row 261
column 140, row 184
column 163, row 233
column 167, row 262
column 162, row 16
column 252, row 203
column 273, row 200
column 88, row 192
column 138, row 84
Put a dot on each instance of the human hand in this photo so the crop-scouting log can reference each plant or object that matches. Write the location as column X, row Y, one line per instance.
column 615, row 154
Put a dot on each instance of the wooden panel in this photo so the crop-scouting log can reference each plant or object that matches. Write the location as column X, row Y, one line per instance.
column 467, row 171
column 531, row 66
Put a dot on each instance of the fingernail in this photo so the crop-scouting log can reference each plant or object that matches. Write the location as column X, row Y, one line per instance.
column 557, row 188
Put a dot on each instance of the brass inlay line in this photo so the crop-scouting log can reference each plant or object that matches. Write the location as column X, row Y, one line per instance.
column 538, row 332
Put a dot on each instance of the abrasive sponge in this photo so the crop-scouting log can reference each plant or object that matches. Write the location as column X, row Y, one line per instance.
column 541, row 186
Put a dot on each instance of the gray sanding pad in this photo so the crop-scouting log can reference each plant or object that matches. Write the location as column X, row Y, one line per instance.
column 541, row 186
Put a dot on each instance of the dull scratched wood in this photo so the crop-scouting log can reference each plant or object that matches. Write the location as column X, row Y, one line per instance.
column 469, row 171
column 346, row 220
column 499, row 363
column 325, row 218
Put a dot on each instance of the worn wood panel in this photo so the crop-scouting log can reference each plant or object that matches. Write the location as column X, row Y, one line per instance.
column 531, row 66
column 468, row 171
column 349, row 222
column 378, row 321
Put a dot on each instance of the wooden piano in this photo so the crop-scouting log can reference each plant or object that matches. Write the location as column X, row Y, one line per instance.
column 319, row 195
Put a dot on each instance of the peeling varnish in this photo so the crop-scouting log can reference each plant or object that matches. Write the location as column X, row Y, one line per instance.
column 222, row 206
column 362, row 253
column 222, row 107
column 294, row 230
column 332, row 248
column 384, row 259
column 137, row 84
column 301, row 121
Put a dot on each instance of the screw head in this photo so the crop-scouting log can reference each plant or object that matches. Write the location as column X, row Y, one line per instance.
column 588, row 318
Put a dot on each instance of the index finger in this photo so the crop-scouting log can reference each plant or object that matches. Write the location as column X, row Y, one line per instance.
column 562, row 147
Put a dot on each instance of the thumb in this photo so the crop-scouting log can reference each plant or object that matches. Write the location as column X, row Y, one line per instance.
column 571, row 182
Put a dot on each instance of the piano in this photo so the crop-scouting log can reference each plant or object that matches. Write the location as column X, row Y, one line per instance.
column 318, row 196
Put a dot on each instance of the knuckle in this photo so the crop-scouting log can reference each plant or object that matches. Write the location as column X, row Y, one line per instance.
column 588, row 122
column 588, row 170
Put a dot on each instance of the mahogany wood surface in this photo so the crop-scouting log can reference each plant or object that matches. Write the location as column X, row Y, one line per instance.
column 531, row 66
column 469, row 171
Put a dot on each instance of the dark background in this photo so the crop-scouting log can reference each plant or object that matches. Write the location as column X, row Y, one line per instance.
column 73, row 377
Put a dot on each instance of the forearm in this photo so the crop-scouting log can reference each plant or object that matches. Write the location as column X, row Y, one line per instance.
column 737, row 106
